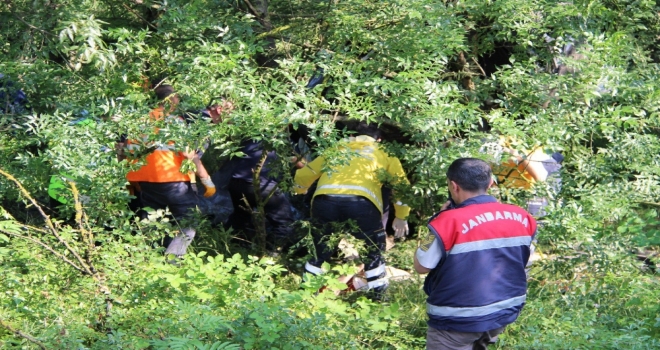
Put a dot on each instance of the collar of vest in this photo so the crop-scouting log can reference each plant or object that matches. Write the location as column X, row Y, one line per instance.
column 480, row 199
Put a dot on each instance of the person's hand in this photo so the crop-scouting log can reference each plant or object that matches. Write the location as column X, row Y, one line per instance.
column 297, row 162
column 514, row 153
column 210, row 187
column 191, row 155
column 400, row 227
column 445, row 206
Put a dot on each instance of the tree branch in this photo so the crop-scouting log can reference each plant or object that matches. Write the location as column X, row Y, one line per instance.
column 258, row 219
column 84, row 268
column 261, row 16
column 274, row 31
column 139, row 16
column 87, row 235
column 254, row 11
column 478, row 65
column 47, row 247
column 19, row 333
column 13, row 13
column 49, row 223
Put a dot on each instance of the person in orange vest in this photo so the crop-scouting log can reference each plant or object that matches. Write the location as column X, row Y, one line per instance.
column 160, row 182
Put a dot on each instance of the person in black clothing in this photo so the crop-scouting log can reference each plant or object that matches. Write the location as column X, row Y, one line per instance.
column 277, row 210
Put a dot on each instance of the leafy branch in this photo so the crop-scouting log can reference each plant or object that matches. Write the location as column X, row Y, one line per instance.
column 23, row 335
column 84, row 267
column 137, row 14
column 45, row 246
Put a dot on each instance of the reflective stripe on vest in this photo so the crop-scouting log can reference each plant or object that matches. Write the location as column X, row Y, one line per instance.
column 491, row 244
column 156, row 146
column 447, row 311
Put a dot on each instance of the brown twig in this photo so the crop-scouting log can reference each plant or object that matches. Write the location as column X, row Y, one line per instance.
column 23, row 335
column 87, row 235
column 478, row 65
column 334, row 117
column 272, row 32
column 650, row 204
column 254, row 11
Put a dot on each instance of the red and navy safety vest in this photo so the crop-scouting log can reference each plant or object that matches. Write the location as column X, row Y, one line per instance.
column 480, row 282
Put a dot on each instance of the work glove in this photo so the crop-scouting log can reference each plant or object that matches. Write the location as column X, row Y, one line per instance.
column 210, row 187
column 400, row 228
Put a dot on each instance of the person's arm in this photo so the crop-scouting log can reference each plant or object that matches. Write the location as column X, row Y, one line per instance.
column 401, row 210
column 201, row 173
column 429, row 254
column 532, row 163
column 306, row 176
column 419, row 268
column 394, row 168
column 204, row 176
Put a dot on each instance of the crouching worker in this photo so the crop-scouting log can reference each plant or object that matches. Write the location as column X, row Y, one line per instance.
column 160, row 182
column 353, row 192
column 475, row 256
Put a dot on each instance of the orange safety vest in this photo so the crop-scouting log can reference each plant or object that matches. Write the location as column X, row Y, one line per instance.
column 163, row 164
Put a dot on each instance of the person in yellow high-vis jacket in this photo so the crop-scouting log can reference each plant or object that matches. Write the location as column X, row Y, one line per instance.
column 353, row 192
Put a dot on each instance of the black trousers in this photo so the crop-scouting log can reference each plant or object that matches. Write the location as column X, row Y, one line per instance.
column 328, row 209
column 279, row 215
column 180, row 198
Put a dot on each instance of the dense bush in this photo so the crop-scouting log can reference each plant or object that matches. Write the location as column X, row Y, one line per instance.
column 441, row 75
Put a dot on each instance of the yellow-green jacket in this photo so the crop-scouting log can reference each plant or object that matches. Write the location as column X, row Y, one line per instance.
column 359, row 177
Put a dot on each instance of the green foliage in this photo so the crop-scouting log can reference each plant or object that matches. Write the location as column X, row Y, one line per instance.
column 439, row 73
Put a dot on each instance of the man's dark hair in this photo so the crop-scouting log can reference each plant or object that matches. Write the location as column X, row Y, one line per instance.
column 163, row 91
column 471, row 174
column 369, row 129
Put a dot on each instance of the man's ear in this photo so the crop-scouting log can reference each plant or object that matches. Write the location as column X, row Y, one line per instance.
column 454, row 186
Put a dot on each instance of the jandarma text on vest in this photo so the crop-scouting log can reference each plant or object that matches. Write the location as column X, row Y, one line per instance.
column 489, row 216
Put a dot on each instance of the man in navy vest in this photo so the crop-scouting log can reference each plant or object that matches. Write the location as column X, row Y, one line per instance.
column 475, row 256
